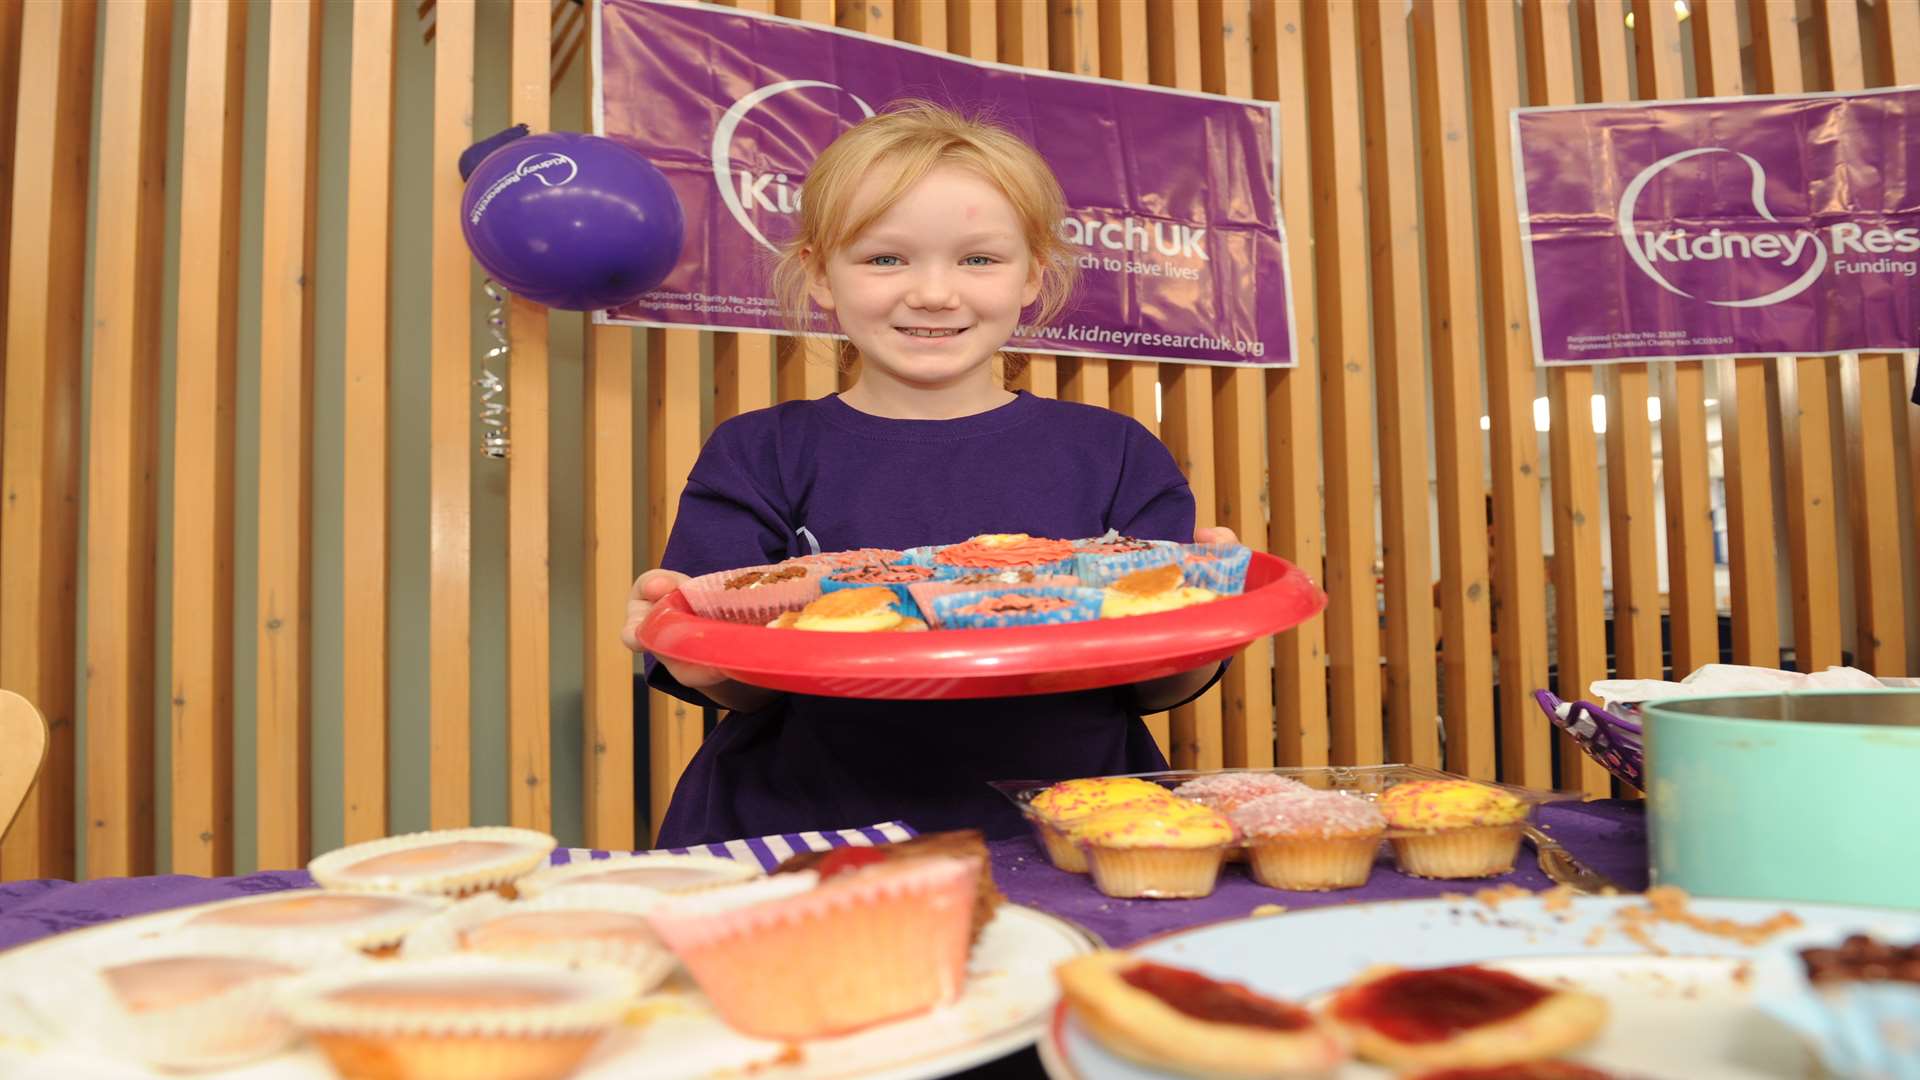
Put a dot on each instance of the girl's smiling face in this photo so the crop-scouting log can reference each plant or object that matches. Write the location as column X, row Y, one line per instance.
column 933, row 287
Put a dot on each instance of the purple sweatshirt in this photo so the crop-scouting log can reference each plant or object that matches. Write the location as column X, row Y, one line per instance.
column 851, row 480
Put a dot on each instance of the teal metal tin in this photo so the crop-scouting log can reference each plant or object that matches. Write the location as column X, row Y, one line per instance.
column 1803, row 796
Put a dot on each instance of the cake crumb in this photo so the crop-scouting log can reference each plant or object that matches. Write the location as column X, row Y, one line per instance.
column 1558, row 898
column 1269, row 909
column 1494, row 896
column 1455, row 898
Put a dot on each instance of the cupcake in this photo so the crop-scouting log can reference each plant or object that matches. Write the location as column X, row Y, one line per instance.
column 1453, row 828
column 983, row 581
column 372, row 922
column 650, row 871
column 754, row 594
column 1067, row 803
column 448, row 862
column 831, row 956
column 1857, row 1002
column 1225, row 791
column 856, row 557
column 898, row 577
column 964, row 843
column 1219, row 567
column 1100, row 563
column 603, row 924
column 477, row 1018
column 1310, row 841
column 1164, row 850
column 866, row 610
column 1003, row 551
column 1016, row 607
column 1147, row 592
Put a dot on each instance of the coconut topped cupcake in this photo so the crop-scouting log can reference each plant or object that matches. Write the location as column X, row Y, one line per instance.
column 1307, row 813
column 1431, row 805
column 1224, row 791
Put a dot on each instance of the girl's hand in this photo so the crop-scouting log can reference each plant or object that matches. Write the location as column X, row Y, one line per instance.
column 649, row 589
column 1215, row 534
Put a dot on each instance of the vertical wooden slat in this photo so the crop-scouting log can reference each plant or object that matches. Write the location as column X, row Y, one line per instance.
column 743, row 364
column 1133, row 385
column 1293, row 407
column 1746, row 438
column 40, row 517
column 805, row 367
column 1393, row 214
column 1575, row 466
column 972, row 28
column 1186, row 421
column 1239, row 436
column 1520, row 576
column 607, row 705
column 364, row 472
column 1694, row 610
column 202, row 682
column 10, row 24
column 1874, row 400
column 876, row 20
column 529, row 765
column 121, row 444
column 450, row 535
column 1073, row 35
column 1898, row 23
column 1340, row 261
column 923, row 23
column 673, row 442
column 286, row 428
column 1454, row 330
column 1805, row 408
column 1023, row 41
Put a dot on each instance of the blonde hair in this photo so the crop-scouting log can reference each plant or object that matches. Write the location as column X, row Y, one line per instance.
column 904, row 142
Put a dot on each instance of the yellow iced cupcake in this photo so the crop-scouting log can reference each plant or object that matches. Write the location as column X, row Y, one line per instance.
column 1155, row 589
column 856, row 611
column 1453, row 828
column 1163, row 849
column 1071, row 801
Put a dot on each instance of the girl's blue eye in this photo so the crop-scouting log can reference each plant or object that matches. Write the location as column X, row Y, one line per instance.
column 978, row 260
column 884, row 260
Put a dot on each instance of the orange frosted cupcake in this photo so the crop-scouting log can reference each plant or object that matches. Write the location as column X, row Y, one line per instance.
column 448, row 862
column 1310, row 841
column 1069, row 802
column 818, row 958
column 1002, row 551
column 1164, row 850
column 474, row 1018
column 868, row 610
column 1453, row 828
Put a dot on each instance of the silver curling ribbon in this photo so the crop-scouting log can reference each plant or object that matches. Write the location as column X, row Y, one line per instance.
column 493, row 405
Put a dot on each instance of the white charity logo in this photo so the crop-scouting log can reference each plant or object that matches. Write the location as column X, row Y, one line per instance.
column 1676, row 245
column 534, row 165
column 754, row 186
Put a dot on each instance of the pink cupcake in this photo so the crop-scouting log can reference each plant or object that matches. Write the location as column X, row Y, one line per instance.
column 753, row 594
column 860, row 948
column 1310, row 841
column 856, row 557
column 1227, row 790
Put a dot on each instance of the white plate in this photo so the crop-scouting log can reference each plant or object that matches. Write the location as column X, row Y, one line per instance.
column 1688, row 1015
column 1010, row 994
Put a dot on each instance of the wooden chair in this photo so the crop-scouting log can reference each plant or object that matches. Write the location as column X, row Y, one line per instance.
column 23, row 749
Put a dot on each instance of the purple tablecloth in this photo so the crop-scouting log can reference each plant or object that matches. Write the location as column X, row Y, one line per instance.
column 1608, row 836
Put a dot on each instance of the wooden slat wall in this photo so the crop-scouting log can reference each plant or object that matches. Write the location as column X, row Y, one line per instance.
column 40, row 518
column 364, row 490
column 1283, row 457
column 202, row 678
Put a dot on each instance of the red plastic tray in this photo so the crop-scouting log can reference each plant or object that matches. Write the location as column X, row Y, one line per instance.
column 989, row 663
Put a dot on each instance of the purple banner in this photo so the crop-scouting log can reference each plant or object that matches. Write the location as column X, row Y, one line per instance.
column 1722, row 227
column 1174, row 196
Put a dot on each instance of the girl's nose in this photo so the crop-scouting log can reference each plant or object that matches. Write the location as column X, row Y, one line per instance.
column 931, row 290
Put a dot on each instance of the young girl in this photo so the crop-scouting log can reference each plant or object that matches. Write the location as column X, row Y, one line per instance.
column 922, row 235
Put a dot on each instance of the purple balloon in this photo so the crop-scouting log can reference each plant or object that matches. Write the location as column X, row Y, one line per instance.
column 572, row 221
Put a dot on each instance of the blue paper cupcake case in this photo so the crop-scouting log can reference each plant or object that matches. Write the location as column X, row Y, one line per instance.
column 1098, row 571
column 1861, row 1030
column 1085, row 608
column 1226, row 575
column 905, row 604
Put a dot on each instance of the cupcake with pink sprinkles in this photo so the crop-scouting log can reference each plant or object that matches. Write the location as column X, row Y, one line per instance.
column 1310, row 841
column 1227, row 790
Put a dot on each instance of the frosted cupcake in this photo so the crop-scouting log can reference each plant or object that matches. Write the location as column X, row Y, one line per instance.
column 1164, row 850
column 753, row 594
column 1453, row 828
column 1102, row 562
column 1148, row 592
column 1224, row 791
column 829, row 957
column 650, row 872
column 897, row 577
column 371, row 922
column 1016, row 607
column 983, row 581
column 866, row 610
column 1219, row 567
column 856, row 557
column 472, row 1017
column 1004, row 551
column 1064, row 805
column 448, row 862
column 604, row 924
column 1310, row 841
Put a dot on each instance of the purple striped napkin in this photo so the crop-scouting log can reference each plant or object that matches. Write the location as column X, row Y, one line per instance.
column 769, row 851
